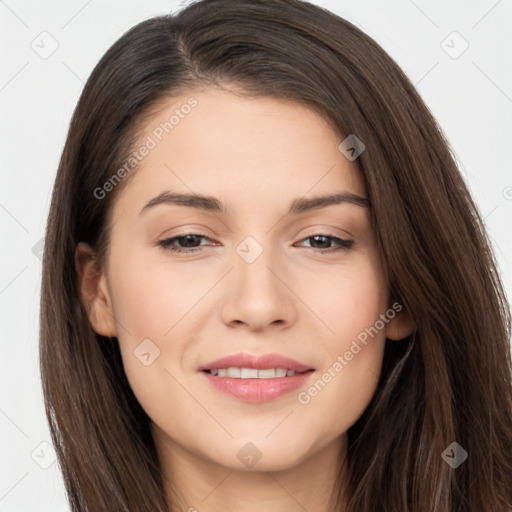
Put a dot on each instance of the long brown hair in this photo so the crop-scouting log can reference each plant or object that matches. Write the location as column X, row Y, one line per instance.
column 450, row 381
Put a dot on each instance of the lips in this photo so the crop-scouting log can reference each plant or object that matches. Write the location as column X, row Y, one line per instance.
column 243, row 376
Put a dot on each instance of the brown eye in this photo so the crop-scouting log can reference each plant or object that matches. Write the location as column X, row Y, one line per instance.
column 187, row 240
column 325, row 240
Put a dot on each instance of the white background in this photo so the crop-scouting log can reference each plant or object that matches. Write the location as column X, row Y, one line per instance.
column 471, row 96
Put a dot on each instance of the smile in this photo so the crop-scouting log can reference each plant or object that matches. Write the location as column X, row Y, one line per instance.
column 252, row 373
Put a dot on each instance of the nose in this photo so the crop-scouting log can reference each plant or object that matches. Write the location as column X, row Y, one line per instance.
column 258, row 292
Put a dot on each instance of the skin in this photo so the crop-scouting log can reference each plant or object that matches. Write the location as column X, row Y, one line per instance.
column 296, row 299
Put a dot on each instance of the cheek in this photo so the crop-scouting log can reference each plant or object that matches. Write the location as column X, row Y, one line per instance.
column 150, row 306
column 347, row 382
column 348, row 379
column 348, row 300
column 151, row 299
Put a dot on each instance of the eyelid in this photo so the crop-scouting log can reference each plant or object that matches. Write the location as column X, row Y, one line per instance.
column 324, row 228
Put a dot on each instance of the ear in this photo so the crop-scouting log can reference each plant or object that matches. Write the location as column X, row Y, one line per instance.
column 401, row 325
column 94, row 291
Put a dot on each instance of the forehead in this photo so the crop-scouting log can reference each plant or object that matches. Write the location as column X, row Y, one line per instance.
column 249, row 152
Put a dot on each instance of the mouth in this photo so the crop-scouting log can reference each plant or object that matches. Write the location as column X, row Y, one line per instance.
column 256, row 379
column 254, row 373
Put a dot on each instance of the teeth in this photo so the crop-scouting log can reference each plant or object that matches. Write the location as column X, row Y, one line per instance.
column 269, row 373
column 252, row 373
column 233, row 372
column 248, row 373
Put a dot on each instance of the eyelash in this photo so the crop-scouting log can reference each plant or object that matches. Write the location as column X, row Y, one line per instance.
column 343, row 244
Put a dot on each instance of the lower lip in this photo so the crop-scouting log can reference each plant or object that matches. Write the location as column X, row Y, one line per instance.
column 258, row 390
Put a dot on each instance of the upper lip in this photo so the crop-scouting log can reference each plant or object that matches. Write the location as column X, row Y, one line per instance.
column 260, row 362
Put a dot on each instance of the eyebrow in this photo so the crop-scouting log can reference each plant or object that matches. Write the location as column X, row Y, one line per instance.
column 212, row 204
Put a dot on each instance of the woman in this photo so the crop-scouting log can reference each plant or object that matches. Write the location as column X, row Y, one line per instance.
column 258, row 369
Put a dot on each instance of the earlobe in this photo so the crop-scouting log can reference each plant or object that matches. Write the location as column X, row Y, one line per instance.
column 94, row 292
column 400, row 326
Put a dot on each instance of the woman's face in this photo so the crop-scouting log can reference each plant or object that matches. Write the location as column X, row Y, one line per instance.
column 258, row 277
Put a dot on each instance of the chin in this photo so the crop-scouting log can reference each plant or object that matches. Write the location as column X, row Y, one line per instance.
column 259, row 455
